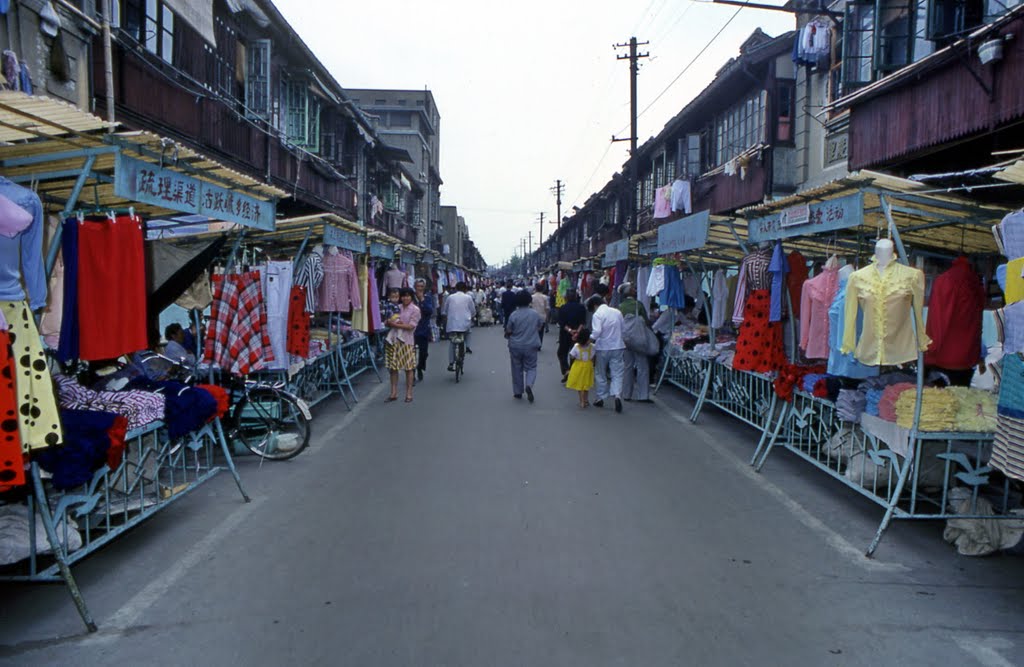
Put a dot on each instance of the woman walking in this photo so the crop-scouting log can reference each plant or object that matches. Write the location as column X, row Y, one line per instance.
column 522, row 329
column 400, row 349
column 422, row 334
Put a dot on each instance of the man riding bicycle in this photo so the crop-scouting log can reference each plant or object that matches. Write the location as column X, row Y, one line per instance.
column 458, row 311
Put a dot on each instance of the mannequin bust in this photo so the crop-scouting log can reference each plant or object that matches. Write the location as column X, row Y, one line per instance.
column 319, row 249
column 764, row 245
column 883, row 253
column 332, row 249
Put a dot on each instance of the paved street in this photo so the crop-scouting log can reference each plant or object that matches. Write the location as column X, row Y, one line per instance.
column 472, row 529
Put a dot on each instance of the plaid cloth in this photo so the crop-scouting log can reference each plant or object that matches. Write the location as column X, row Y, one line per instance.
column 237, row 339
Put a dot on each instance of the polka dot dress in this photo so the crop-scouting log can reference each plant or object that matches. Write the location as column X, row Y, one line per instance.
column 759, row 343
column 298, row 323
column 38, row 423
column 12, row 469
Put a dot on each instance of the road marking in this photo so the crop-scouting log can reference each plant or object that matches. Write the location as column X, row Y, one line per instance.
column 129, row 613
column 350, row 417
column 832, row 538
column 985, row 649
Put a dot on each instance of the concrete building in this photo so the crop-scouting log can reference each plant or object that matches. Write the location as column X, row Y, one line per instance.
column 408, row 119
column 455, row 239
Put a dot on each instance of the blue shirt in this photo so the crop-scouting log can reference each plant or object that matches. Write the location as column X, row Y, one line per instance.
column 778, row 267
column 844, row 365
column 426, row 312
column 22, row 257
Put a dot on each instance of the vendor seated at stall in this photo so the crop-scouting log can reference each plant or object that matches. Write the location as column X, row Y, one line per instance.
column 175, row 349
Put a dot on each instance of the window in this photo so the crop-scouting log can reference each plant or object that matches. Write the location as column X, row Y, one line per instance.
column 380, row 103
column 151, row 23
column 257, row 79
column 785, row 115
column 858, row 45
column 301, row 114
column 689, row 156
column 221, row 60
column 402, row 103
column 896, row 38
column 401, row 119
column 949, row 19
column 740, row 128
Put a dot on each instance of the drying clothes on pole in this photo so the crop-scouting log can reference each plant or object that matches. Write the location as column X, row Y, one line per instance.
column 681, row 196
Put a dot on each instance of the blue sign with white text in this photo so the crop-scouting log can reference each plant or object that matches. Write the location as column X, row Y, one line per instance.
column 343, row 238
column 842, row 213
column 687, row 233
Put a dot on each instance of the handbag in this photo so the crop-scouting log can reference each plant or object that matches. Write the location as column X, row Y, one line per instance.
column 638, row 336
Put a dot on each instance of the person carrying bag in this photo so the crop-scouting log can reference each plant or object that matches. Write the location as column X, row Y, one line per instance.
column 641, row 343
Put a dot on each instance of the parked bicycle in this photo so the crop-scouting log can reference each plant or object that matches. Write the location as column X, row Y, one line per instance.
column 266, row 419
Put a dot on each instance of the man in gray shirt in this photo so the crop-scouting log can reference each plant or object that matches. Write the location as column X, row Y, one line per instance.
column 523, row 333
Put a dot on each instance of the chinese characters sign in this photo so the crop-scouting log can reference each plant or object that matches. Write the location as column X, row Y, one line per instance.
column 148, row 183
column 342, row 238
column 382, row 250
column 684, row 234
column 617, row 251
column 826, row 216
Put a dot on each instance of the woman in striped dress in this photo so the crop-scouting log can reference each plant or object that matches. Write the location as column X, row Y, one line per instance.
column 400, row 352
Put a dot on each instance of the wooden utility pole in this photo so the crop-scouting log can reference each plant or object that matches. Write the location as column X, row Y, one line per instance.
column 634, row 69
column 558, row 191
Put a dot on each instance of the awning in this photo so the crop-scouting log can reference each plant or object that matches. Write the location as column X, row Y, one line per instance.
column 196, row 13
column 72, row 162
column 394, row 153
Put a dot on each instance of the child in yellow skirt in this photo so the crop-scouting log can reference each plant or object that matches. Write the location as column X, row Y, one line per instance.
column 581, row 373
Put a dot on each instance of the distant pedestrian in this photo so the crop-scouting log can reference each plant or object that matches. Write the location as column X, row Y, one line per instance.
column 508, row 301
column 606, row 332
column 636, row 365
column 425, row 301
column 581, row 374
column 539, row 302
column 400, row 350
column 522, row 329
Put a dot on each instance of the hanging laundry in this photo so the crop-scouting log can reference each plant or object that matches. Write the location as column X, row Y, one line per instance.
column 236, row 337
column 681, row 196
column 812, row 44
column 298, row 323
column 12, row 468
column 663, row 202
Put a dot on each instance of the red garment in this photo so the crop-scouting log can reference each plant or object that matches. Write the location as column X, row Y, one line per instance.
column 237, row 339
column 887, row 403
column 298, row 323
column 954, row 318
column 791, row 376
column 117, row 432
column 220, row 394
column 759, row 343
column 12, row 465
column 111, row 288
column 795, row 279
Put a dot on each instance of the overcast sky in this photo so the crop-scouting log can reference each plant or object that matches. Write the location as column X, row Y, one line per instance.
column 530, row 91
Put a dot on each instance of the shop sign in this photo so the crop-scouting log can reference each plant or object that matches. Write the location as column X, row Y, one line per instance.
column 616, row 251
column 687, row 233
column 343, row 238
column 148, row 183
column 826, row 216
column 428, row 258
column 382, row 250
column 795, row 215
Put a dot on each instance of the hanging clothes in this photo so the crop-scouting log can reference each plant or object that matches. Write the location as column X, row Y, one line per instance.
column 663, row 202
column 759, row 345
column 719, row 299
column 373, row 299
column 67, row 347
column 840, row 364
column 674, row 295
column 395, row 278
column 21, row 254
column 681, row 196
column 38, row 424
column 888, row 298
column 656, row 282
column 310, row 275
column 297, row 342
column 361, row 316
column 754, row 275
column 236, row 337
column 111, row 281
column 1011, row 230
column 275, row 286
column 954, row 318
column 798, row 273
column 12, row 466
column 339, row 291
column 817, row 296
column 778, row 267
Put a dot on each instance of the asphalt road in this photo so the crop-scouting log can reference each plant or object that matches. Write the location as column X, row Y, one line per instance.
column 468, row 528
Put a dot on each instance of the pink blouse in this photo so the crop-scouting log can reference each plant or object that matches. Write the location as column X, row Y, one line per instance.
column 406, row 315
column 815, row 300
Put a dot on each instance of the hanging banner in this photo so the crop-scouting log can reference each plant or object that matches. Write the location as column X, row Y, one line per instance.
column 428, row 258
column 616, row 251
column 148, row 183
column 382, row 250
column 687, row 233
column 826, row 216
column 343, row 238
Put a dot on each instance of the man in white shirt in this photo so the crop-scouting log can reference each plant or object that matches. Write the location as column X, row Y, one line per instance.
column 609, row 351
column 458, row 311
column 539, row 303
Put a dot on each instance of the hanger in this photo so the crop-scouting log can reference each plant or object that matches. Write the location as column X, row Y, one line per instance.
column 999, row 240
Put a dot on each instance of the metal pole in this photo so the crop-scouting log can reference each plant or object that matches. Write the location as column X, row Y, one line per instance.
column 108, row 61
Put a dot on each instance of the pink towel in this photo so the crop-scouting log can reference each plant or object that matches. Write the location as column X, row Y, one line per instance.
column 887, row 404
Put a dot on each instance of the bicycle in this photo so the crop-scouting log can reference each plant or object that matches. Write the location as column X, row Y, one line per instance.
column 269, row 421
column 458, row 339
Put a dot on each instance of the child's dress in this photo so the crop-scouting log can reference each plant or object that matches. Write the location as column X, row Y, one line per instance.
column 581, row 375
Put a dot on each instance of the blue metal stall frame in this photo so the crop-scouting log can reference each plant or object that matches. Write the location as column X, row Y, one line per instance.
column 921, row 481
column 156, row 470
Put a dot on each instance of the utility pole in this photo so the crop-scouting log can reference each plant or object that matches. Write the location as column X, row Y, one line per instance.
column 558, row 190
column 540, row 237
column 634, row 69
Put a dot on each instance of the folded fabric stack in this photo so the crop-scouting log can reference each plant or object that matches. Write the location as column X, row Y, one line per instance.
column 850, row 404
column 938, row 410
column 91, row 440
column 810, row 380
column 887, row 404
column 977, row 411
column 873, row 397
column 883, row 381
column 138, row 407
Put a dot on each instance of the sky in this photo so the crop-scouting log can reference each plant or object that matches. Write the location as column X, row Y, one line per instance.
column 528, row 92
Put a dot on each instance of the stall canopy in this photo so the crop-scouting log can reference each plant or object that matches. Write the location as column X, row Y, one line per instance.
column 73, row 160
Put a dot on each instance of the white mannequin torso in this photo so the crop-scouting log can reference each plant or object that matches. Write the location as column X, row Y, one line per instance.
column 883, row 254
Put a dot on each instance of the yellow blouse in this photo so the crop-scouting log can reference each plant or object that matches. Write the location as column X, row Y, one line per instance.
column 886, row 298
column 1015, row 281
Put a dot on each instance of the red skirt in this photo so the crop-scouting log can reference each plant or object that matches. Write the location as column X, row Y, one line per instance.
column 12, row 466
column 759, row 346
column 297, row 342
column 111, row 288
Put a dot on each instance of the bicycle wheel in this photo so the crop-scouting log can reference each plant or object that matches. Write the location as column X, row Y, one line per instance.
column 272, row 423
column 460, row 355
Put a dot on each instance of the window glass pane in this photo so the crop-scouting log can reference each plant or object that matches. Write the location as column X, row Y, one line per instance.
column 167, row 35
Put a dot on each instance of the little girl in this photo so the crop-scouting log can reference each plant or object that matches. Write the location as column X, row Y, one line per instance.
column 392, row 306
column 581, row 374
